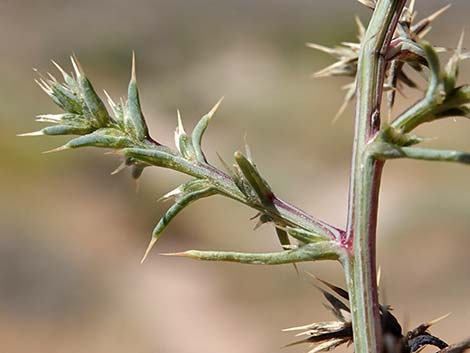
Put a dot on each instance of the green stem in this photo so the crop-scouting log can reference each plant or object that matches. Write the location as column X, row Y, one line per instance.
column 385, row 151
column 427, row 109
column 224, row 184
column 360, row 265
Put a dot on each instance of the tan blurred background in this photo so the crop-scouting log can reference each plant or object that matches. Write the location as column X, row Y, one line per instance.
column 72, row 236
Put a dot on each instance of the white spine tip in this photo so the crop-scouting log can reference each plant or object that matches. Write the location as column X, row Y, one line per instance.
column 171, row 194
column 76, row 65
column 34, row 133
column 133, row 74
column 147, row 251
column 215, row 107
column 58, row 149
column 120, row 168
column 58, row 67
column 180, row 127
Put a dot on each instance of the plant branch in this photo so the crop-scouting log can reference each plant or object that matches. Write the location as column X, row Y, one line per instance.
column 126, row 132
column 225, row 185
column 360, row 265
column 442, row 98
column 385, row 151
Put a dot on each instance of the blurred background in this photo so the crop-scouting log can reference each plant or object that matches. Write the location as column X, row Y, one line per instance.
column 72, row 236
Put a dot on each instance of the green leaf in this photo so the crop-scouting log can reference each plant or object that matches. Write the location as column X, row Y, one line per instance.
column 118, row 109
column 257, row 182
column 61, row 95
column 69, row 80
column 185, row 194
column 199, row 130
column 105, row 137
column 66, row 99
column 435, row 80
column 162, row 157
column 66, row 119
column 264, row 193
column 326, row 250
column 305, row 236
column 61, row 130
column 240, row 182
column 92, row 101
column 134, row 120
column 183, row 141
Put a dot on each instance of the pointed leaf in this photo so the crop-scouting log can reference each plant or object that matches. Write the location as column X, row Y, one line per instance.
column 105, row 137
column 309, row 252
column 66, row 99
column 117, row 109
column 183, row 201
column 165, row 158
column 183, row 141
column 134, row 118
column 305, row 236
column 435, row 78
column 93, row 102
column 259, row 185
column 61, row 130
column 66, row 119
column 199, row 130
column 69, row 80
column 452, row 67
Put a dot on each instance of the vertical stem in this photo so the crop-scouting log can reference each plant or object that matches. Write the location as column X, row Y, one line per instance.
column 360, row 266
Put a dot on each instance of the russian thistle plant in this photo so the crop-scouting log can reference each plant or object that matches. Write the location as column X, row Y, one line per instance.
column 391, row 43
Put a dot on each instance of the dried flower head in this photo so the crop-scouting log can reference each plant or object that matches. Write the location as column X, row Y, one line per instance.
column 404, row 50
column 325, row 336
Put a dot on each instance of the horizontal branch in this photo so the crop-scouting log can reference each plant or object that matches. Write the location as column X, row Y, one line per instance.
column 291, row 215
column 383, row 151
column 325, row 250
column 125, row 130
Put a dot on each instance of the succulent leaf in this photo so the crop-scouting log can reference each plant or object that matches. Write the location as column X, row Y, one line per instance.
column 118, row 109
column 183, row 142
column 61, row 130
column 104, row 137
column 61, row 95
column 199, row 130
column 164, row 158
column 305, row 236
column 187, row 194
column 134, row 120
column 93, row 102
column 257, row 182
column 262, row 190
column 309, row 252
